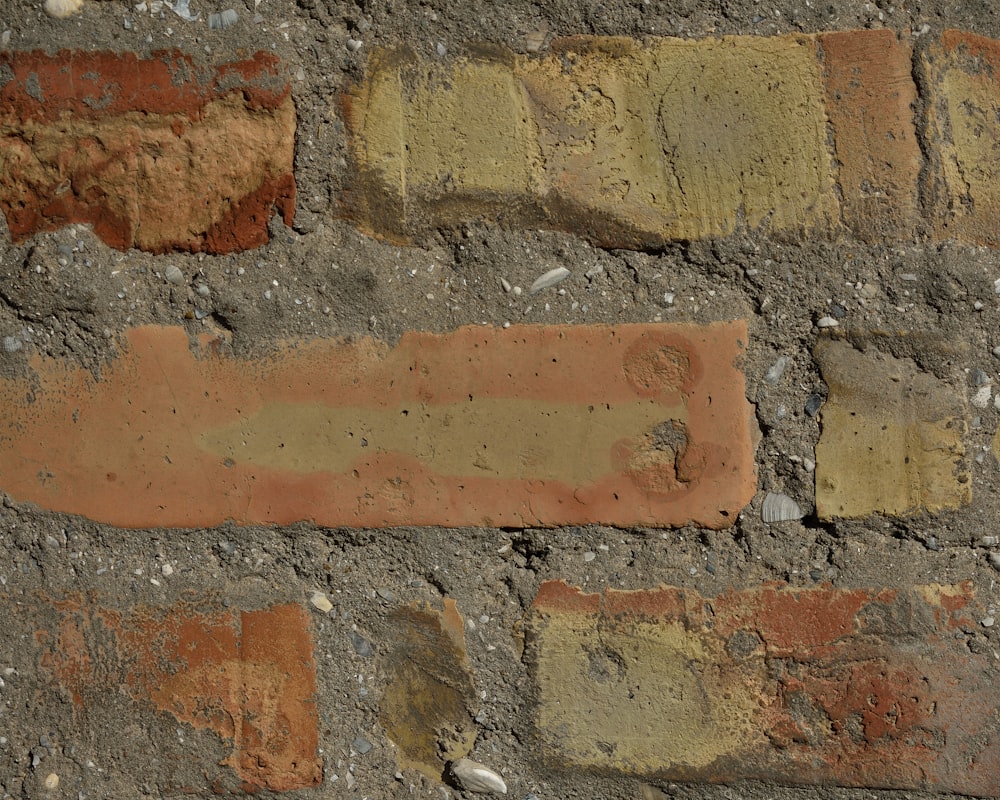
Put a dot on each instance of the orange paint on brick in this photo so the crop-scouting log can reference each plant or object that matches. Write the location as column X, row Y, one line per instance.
column 126, row 144
column 632, row 424
column 851, row 687
column 870, row 96
column 249, row 677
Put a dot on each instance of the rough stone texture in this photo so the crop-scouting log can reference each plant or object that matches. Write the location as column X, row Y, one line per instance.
column 425, row 708
column 962, row 111
column 248, row 676
column 854, row 687
column 469, row 428
column 892, row 437
column 614, row 154
column 870, row 100
column 159, row 153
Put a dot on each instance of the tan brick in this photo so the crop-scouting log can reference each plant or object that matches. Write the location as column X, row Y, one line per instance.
column 892, row 437
column 853, row 687
column 425, row 707
column 248, row 676
column 870, row 97
column 963, row 109
column 597, row 139
column 156, row 153
column 630, row 424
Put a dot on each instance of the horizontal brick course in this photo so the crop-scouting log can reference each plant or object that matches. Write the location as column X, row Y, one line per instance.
column 159, row 153
column 853, row 687
column 483, row 426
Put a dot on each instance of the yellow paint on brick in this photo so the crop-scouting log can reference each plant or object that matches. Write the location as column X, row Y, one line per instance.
column 962, row 116
column 495, row 438
column 640, row 697
column 675, row 140
column 432, row 132
column 892, row 438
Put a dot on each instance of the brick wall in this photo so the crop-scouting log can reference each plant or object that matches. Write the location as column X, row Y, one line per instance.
column 593, row 554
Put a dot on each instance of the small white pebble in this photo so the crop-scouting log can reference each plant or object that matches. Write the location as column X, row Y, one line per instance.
column 589, row 555
column 51, row 781
column 826, row 322
column 166, row 570
column 988, row 622
column 321, row 602
column 354, row 45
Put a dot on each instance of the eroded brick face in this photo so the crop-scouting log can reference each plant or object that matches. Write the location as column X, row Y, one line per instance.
column 525, row 426
column 854, row 687
column 248, row 676
column 158, row 153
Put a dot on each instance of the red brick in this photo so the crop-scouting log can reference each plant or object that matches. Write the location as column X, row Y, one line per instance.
column 852, row 687
column 870, row 97
column 631, row 424
column 248, row 676
column 158, row 153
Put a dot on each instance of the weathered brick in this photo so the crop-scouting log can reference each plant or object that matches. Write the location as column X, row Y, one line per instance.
column 598, row 139
column 854, row 687
column 629, row 424
column 892, row 439
column 963, row 108
column 156, row 153
column 870, row 97
column 248, row 676
column 425, row 707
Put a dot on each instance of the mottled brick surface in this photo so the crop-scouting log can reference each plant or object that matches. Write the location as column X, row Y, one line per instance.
column 483, row 426
column 159, row 153
column 598, row 138
column 248, row 676
column 892, row 438
column 962, row 112
column 853, row 687
column 870, row 97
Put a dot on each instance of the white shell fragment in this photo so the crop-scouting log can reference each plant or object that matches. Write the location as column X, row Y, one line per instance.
column 60, row 9
column 321, row 602
column 182, row 8
column 779, row 507
column 826, row 322
column 550, row 278
column 475, row 777
column 226, row 19
column 173, row 275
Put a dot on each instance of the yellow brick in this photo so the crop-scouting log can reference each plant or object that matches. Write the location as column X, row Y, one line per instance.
column 892, row 437
column 628, row 144
column 687, row 139
column 962, row 121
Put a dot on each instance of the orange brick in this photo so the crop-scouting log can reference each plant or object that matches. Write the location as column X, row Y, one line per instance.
column 870, row 96
column 248, row 676
column 853, row 687
column 629, row 424
column 156, row 153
